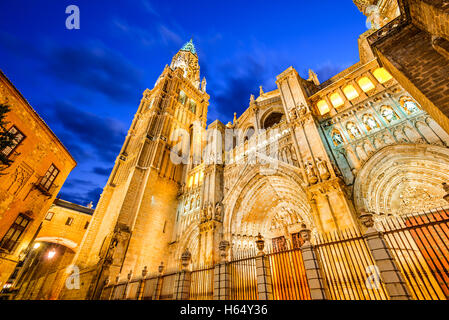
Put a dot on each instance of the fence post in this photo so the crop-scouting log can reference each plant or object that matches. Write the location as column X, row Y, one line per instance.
column 142, row 284
column 264, row 283
column 183, row 278
column 222, row 283
column 388, row 270
column 158, row 287
column 114, row 288
column 125, row 291
column 312, row 267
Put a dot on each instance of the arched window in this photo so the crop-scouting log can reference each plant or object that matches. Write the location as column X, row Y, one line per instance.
column 337, row 138
column 192, row 204
column 187, row 208
column 354, row 132
column 182, row 97
column 249, row 133
column 192, row 106
column 388, row 113
column 272, row 120
column 370, row 122
column 409, row 105
column 198, row 202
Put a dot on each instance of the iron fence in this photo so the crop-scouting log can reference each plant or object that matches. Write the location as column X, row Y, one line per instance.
column 347, row 264
column 202, row 283
column 420, row 246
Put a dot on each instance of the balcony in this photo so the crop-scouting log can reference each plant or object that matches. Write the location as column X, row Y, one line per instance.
column 8, row 246
column 46, row 192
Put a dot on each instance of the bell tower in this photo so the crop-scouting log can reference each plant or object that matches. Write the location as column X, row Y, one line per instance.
column 134, row 220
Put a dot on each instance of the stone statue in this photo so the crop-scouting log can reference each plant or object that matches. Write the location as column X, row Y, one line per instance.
column 323, row 170
column 311, row 173
column 261, row 91
column 210, row 209
column 203, row 85
column 218, row 210
column 293, row 114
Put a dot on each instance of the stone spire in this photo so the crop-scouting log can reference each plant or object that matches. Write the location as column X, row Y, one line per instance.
column 189, row 46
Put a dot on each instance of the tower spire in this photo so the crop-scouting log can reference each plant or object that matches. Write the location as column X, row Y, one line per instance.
column 189, row 47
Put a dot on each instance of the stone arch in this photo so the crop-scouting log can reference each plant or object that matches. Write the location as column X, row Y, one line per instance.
column 268, row 112
column 258, row 201
column 402, row 178
column 58, row 240
column 190, row 240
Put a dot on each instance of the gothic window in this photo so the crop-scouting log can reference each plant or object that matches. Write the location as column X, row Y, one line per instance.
column 409, row 105
column 197, row 202
column 192, row 106
column 182, row 97
column 388, row 113
column 49, row 178
column 370, row 122
column 18, row 138
column 337, row 138
column 11, row 238
column 354, row 132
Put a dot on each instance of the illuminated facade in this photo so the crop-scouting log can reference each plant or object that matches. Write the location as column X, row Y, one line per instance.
column 29, row 185
column 299, row 169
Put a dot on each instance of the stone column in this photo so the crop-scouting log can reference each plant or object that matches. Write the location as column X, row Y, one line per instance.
column 388, row 270
column 222, row 283
column 311, row 264
column 183, row 278
column 158, row 287
column 125, row 292
column 264, row 283
column 142, row 283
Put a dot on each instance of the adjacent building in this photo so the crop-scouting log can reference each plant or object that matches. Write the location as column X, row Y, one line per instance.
column 43, row 272
column 29, row 185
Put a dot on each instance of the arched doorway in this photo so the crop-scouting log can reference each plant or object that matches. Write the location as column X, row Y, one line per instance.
column 403, row 179
column 273, row 205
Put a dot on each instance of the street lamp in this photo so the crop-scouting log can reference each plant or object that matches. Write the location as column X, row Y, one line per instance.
column 36, row 245
column 51, row 254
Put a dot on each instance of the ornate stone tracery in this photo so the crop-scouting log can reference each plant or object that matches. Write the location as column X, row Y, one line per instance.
column 403, row 179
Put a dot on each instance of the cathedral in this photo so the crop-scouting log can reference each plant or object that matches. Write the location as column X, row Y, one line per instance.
column 340, row 178
column 305, row 154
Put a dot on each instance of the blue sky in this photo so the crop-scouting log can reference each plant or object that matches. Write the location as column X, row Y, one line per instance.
column 87, row 83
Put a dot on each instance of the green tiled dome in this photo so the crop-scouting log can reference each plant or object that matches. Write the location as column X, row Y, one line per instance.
column 189, row 46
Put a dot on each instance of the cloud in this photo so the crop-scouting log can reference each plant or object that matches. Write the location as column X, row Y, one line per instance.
column 93, row 66
column 102, row 171
column 148, row 6
column 328, row 69
column 96, row 69
column 79, row 129
column 241, row 78
column 141, row 35
column 168, row 36
column 82, row 198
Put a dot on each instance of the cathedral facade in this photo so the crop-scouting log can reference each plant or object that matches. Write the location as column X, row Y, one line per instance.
column 308, row 153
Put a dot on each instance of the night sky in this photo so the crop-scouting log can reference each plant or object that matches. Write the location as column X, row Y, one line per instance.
column 87, row 84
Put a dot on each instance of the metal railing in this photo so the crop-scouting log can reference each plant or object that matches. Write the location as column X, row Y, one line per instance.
column 420, row 246
column 345, row 261
column 418, row 243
